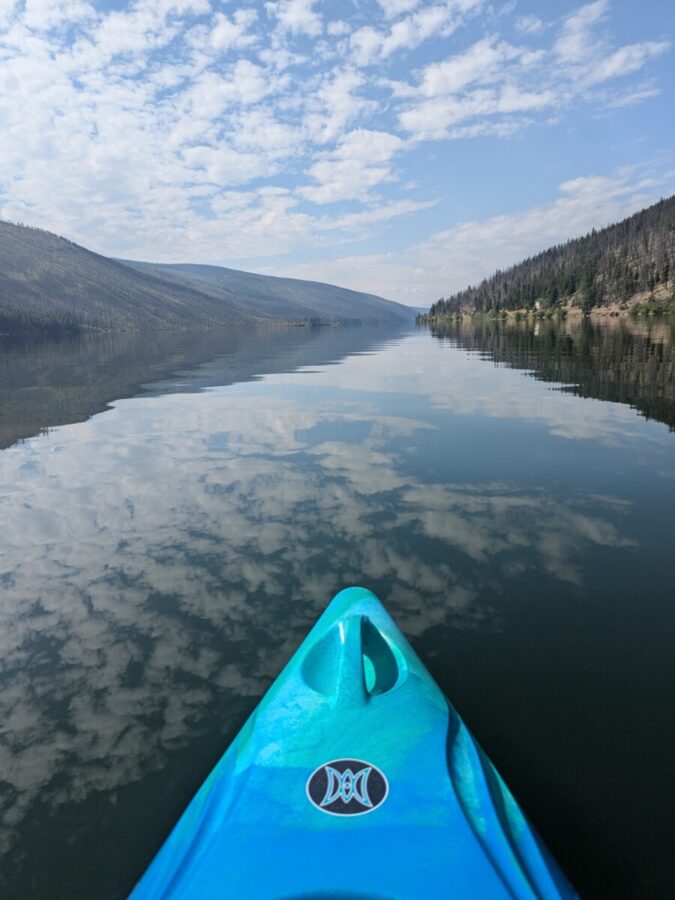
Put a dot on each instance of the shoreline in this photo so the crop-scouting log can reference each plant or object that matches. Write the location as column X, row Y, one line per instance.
column 637, row 310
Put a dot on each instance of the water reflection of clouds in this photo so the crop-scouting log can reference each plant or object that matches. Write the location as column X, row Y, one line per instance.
column 494, row 522
column 466, row 383
column 175, row 549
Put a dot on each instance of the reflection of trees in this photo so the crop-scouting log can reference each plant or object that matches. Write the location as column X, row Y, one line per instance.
column 617, row 360
column 44, row 384
column 165, row 559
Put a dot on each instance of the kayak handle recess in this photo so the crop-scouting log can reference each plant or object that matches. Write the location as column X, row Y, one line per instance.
column 353, row 662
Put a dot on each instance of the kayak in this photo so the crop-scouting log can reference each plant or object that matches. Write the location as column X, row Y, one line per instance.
column 353, row 778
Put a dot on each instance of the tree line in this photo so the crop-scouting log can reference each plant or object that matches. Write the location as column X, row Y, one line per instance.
column 625, row 262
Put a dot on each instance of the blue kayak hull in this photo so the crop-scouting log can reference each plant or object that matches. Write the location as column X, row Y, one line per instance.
column 354, row 777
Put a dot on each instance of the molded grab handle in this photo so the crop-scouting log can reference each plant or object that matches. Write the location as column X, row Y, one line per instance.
column 351, row 662
column 350, row 689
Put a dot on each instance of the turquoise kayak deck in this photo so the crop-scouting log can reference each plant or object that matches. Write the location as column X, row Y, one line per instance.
column 354, row 777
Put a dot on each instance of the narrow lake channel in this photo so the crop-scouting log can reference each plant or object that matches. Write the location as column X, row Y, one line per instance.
column 177, row 510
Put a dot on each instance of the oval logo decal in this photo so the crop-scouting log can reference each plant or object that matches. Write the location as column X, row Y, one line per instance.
column 347, row 787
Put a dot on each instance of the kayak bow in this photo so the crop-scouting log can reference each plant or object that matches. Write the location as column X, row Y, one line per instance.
column 354, row 777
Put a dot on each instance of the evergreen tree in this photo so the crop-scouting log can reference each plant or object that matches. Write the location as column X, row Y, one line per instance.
column 606, row 266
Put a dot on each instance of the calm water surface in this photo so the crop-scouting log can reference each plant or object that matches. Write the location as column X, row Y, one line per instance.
column 509, row 492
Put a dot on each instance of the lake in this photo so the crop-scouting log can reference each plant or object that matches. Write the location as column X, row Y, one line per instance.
column 178, row 509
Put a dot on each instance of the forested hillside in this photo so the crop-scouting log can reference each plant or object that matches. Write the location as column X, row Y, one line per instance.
column 50, row 285
column 284, row 298
column 630, row 262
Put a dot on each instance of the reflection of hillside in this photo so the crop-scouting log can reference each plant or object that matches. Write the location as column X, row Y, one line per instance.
column 46, row 384
column 618, row 360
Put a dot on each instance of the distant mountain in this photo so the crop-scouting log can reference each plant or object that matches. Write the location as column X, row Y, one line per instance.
column 622, row 265
column 49, row 285
column 267, row 296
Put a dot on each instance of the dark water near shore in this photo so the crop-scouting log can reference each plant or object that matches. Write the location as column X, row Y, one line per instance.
column 508, row 491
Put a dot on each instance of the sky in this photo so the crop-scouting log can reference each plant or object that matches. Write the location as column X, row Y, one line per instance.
column 402, row 147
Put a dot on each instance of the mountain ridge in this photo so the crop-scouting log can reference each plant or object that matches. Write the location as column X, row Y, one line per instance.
column 49, row 284
column 304, row 298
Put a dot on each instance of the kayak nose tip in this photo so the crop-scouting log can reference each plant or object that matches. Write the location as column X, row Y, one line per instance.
column 349, row 599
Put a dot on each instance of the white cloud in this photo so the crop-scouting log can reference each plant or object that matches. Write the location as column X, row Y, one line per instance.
column 452, row 259
column 482, row 81
column 7, row 12
column 214, row 92
column 633, row 96
column 338, row 28
column 235, row 32
column 576, row 42
column 393, row 8
column 43, row 15
column 529, row 24
column 494, row 78
column 258, row 129
column 481, row 63
column 366, row 44
column 334, row 104
column 381, row 212
column 134, row 33
column 368, row 146
column 438, row 20
column 222, row 165
column 587, row 54
column 356, row 166
column 625, row 60
column 297, row 16
column 436, row 118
